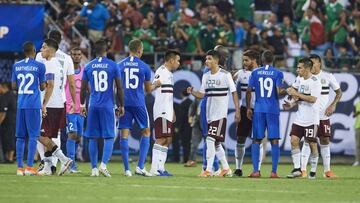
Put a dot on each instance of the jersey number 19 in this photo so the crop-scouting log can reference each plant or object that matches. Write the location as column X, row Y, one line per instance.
column 266, row 84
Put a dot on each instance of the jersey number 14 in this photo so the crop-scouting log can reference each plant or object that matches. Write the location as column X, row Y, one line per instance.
column 266, row 84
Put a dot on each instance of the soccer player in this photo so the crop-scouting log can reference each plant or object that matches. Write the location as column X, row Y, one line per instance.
column 101, row 73
column 135, row 74
column 306, row 91
column 327, row 81
column 74, row 120
column 28, row 78
column 244, row 127
column 66, row 74
column 164, row 115
column 267, row 82
column 51, row 109
column 216, row 85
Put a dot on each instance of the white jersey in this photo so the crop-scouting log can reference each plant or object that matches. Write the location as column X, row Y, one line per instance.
column 243, row 80
column 216, row 88
column 308, row 113
column 66, row 68
column 164, row 101
column 327, row 80
column 56, row 99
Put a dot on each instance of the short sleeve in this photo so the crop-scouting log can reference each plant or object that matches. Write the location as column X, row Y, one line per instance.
column 106, row 13
column 117, row 72
column 70, row 66
column 238, row 79
column 280, row 80
column 42, row 78
column 13, row 75
column 83, row 12
column 157, row 76
column 231, row 83
column 147, row 73
column 296, row 83
column 203, row 82
column 333, row 82
column 252, row 80
column 84, row 76
column 316, row 89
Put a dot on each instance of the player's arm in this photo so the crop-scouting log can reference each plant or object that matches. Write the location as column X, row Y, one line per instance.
column 237, row 106
column 48, row 92
column 196, row 94
column 120, row 93
column 72, row 87
column 83, row 89
column 331, row 108
column 308, row 98
column 149, row 87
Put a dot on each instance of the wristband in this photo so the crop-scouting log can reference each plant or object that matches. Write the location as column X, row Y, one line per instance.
column 82, row 105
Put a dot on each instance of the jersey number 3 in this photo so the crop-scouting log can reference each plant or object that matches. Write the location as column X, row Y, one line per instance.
column 266, row 84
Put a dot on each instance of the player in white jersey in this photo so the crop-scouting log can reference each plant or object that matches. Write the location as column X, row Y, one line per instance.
column 164, row 115
column 216, row 85
column 306, row 92
column 65, row 70
column 327, row 81
column 51, row 114
column 244, row 127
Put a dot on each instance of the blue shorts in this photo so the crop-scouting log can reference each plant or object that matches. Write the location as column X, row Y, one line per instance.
column 28, row 122
column 75, row 123
column 263, row 121
column 203, row 121
column 139, row 113
column 100, row 123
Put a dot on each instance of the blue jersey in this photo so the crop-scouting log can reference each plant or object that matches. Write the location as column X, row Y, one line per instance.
column 101, row 73
column 28, row 74
column 134, row 72
column 264, row 81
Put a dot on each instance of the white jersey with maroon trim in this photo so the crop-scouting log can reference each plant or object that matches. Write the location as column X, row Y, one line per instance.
column 216, row 87
column 327, row 81
column 163, row 105
column 308, row 113
column 243, row 80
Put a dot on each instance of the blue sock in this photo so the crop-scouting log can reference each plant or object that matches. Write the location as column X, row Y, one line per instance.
column 144, row 148
column 70, row 148
column 20, row 147
column 255, row 156
column 204, row 156
column 31, row 151
column 107, row 150
column 275, row 154
column 216, row 164
column 93, row 152
column 124, row 146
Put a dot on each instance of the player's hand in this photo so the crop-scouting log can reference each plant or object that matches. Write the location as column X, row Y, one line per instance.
column 330, row 110
column 237, row 116
column 72, row 107
column 249, row 114
column 189, row 90
column 174, row 118
column 287, row 106
column 157, row 83
column 83, row 111
column 121, row 111
column 295, row 98
column 291, row 91
column 44, row 112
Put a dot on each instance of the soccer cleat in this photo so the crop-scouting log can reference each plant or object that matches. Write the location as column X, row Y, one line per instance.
column 44, row 172
column 74, row 170
column 30, row 171
column 190, row 163
column 128, row 173
column 255, row 175
column 104, row 171
column 217, row 173
column 330, row 174
column 164, row 173
column 20, row 172
column 94, row 172
column 142, row 172
column 225, row 173
column 206, row 174
column 312, row 175
column 41, row 166
column 274, row 175
column 303, row 174
column 53, row 170
column 238, row 172
column 294, row 173
column 154, row 173
column 65, row 166
column 356, row 163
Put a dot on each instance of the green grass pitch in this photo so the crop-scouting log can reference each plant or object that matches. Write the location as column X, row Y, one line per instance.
column 185, row 186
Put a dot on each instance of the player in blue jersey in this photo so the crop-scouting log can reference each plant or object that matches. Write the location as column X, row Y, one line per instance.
column 28, row 78
column 100, row 74
column 135, row 74
column 267, row 82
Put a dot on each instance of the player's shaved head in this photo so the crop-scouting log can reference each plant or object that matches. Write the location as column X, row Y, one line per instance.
column 100, row 48
column 135, row 45
column 267, row 57
column 55, row 35
column 51, row 43
column 29, row 48
column 224, row 53
column 171, row 54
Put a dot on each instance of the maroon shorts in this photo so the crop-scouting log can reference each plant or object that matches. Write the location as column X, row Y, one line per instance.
column 308, row 132
column 245, row 125
column 324, row 128
column 53, row 122
column 163, row 128
column 217, row 129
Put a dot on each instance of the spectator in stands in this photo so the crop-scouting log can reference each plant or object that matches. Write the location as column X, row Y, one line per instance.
column 293, row 49
column 146, row 35
column 226, row 36
column 252, row 39
column 7, row 121
column 97, row 16
column 288, row 27
column 160, row 16
column 127, row 32
column 339, row 30
column 178, row 42
column 277, row 46
column 193, row 30
column 240, row 31
column 354, row 38
column 151, row 19
column 208, row 37
column 329, row 58
column 162, row 42
column 133, row 15
column 333, row 7
column 262, row 11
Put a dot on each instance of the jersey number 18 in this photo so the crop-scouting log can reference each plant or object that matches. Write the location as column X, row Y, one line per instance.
column 100, row 81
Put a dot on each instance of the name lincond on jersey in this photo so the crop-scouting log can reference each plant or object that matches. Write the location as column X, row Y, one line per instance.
column 100, row 65
column 131, row 63
column 26, row 68
column 265, row 72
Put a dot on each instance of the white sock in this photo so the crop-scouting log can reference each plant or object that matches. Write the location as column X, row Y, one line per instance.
column 296, row 156
column 239, row 155
column 220, row 153
column 41, row 150
column 305, row 154
column 210, row 153
column 47, row 163
column 261, row 157
column 102, row 165
column 156, row 154
column 325, row 154
column 313, row 162
column 163, row 157
column 57, row 141
column 60, row 155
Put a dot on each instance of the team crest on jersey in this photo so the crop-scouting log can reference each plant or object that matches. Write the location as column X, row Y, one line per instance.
column 323, row 81
column 157, row 76
column 303, row 88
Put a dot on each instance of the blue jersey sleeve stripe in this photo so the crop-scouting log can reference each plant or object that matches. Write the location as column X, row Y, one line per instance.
column 50, row 76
